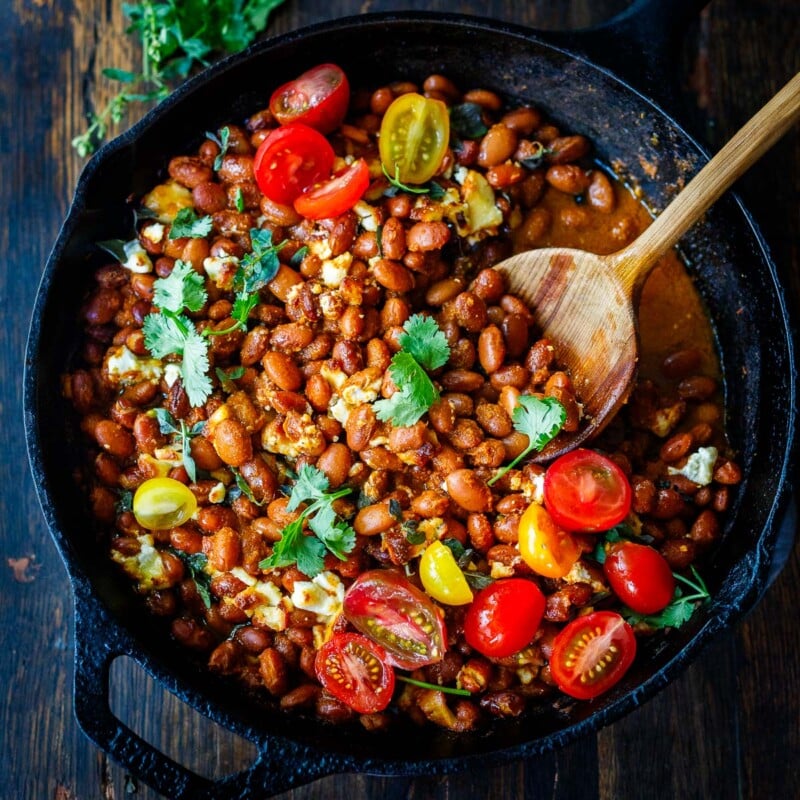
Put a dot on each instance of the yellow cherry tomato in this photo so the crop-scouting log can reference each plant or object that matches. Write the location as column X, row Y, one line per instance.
column 544, row 547
column 415, row 132
column 161, row 503
column 441, row 576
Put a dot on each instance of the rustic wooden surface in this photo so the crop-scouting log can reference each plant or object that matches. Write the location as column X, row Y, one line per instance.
column 728, row 727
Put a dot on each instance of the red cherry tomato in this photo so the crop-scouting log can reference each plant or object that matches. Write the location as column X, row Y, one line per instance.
column 318, row 98
column 335, row 196
column 592, row 653
column 354, row 669
column 384, row 606
column 290, row 160
column 585, row 491
column 640, row 576
column 504, row 617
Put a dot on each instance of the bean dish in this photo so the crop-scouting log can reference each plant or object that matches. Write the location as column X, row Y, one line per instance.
column 311, row 412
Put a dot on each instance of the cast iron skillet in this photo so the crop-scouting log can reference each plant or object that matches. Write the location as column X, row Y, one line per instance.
column 733, row 272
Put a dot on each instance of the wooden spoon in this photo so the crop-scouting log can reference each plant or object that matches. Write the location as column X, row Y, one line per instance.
column 587, row 304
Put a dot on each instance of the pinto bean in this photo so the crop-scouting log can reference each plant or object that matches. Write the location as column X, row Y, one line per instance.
column 469, row 491
column 373, row 519
column 393, row 275
column 491, row 349
column 470, row 312
column 697, row 388
column 189, row 171
column 360, row 427
column 564, row 149
column 232, row 442
column 600, row 193
column 498, row 144
column 114, row 439
column 282, row 371
column 336, row 462
column 462, row 380
column 423, row 237
column 567, row 178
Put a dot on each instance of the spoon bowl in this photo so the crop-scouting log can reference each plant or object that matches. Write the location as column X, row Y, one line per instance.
column 586, row 304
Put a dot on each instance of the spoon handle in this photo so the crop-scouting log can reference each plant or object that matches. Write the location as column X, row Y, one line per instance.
column 747, row 145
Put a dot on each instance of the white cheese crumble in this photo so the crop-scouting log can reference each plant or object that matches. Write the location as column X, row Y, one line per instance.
column 323, row 595
column 334, row 270
column 154, row 232
column 123, row 367
column 167, row 199
column 699, row 467
column 172, row 373
column 136, row 258
column 481, row 212
column 368, row 216
column 221, row 270
column 217, row 493
column 146, row 566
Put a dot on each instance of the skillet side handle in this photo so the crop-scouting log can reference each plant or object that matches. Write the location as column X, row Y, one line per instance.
column 278, row 767
column 638, row 44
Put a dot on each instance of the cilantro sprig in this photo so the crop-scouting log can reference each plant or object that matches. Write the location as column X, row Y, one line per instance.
column 176, row 38
column 168, row 425
column 330, row 534
column 433, row 189
column 540, row 419
column 681, row 608
column 423, row 347
column 188, row 225
column 221, row 141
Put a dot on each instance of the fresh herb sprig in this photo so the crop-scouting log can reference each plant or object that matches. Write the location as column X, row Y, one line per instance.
column 188, row 225
column 434, row 686
column 681, row 608
column 176, row 37
column 423, row 347
column 432, row 189
column 330, row 534
column 540, row 419
column 168, row 425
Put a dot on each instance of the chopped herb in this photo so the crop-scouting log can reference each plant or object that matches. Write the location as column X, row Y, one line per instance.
column 396, row 510
column 115, row 248
column 435, row 687
column 124, row 501
column 238, row 199
column 466, row 121
column 188, row 225
column 168, row 425
column 221, row 142
column 535, row 159
column 463, row 557
column 297, row 258
column 477, row 580
column 436, row 191
column 423, row 346
column 410, row 528
column 176, row 38
column 226, row 378
column 261, row 264
column 244, row 488
column 540, row 420
column 196, row 564
column 398, row 184
column 379, row 240
column 681, row 608
column 330, row 534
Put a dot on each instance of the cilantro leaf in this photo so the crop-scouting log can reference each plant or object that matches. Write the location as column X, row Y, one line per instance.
column 466, row 121
column 244, row 487
column 195, row 564
column 222, row 143
column 330, row 534
column 182, row 288
column 164, row 334
column 166, row 422
column 300, row 254
column 188, row 225
column 423, row 345
column 227, row 378
column 540, row 419
column 195, row 368
column 260, row 265
column 425, row 341
column 238, row 199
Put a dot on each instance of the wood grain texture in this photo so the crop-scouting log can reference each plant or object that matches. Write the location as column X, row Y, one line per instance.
column 728, row 727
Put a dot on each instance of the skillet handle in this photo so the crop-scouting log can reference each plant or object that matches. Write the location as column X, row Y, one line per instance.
column 279, row 766
column 638, row 44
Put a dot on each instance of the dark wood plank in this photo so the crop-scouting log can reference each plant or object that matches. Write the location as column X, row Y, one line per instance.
column 727, row 727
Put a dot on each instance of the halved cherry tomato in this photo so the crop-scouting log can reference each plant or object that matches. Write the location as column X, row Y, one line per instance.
column 318, row 98
column 504, row 617
column 384, row 606
column 354, row 669
column 544, row 547
column 592, row 653
column 162, row 503
column 640, row 576
column 335, row 196
column 442, row 577
column 290, row 160
column 415, row 132
column 585, row 491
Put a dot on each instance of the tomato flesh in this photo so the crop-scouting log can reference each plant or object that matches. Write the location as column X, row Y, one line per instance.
column 387, row 608
column 544, row 547
column 585, row 491
column 640, row 576
column 592, row 653
column 318, row 98
column 415, row 133
column 442, row 577
column 290, row 160
column 354, row 669
column 163, row 503
column 504, row 617
column 334, row 197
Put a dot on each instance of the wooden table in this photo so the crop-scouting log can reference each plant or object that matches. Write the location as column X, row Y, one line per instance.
column 728, row 727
